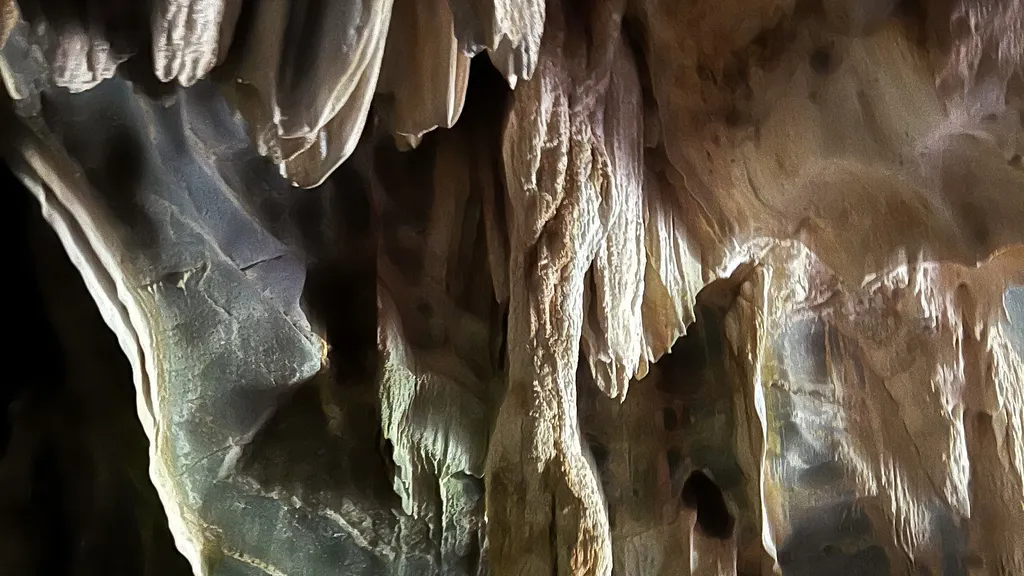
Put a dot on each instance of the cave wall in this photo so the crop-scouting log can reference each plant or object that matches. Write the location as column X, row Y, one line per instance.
column 638, row 286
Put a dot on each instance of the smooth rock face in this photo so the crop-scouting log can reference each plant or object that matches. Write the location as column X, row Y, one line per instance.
column 423, row 70
column 653, row 287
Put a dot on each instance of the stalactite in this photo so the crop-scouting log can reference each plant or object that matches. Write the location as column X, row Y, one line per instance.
column 539, row 287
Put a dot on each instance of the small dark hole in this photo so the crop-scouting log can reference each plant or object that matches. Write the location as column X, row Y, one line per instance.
column 673, row 458
column 387, row 450
column 733, row 117
column 671, row 420
column 821, row 61
column 760, row 41
column 600, row 454
column 704, row 73
column 713, row 517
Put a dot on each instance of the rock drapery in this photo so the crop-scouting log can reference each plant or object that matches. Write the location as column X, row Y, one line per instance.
column 479, row 286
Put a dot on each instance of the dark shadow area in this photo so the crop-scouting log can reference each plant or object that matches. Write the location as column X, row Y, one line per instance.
column 323, row 447
column 686, row 408
column 323, row 444
column 700, row 493
column 30, row 499
column 340, row 292
column 831, row 540
column 699, row 383
column 111, row 154
column 119, row 176
column 36, row 333
column 341, row 300
column 123, row 23
column 75, row 496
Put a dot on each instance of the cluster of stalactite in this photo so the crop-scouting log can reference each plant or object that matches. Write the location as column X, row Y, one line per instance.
column 482, row 286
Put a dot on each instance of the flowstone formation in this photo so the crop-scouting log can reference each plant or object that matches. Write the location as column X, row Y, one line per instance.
column 628, row 287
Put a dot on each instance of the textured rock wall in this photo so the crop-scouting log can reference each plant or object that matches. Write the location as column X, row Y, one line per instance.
column 631, row 286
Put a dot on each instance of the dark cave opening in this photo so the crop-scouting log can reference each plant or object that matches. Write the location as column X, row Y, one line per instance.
column 691, row 395
column 702, row 373
column 702, row 494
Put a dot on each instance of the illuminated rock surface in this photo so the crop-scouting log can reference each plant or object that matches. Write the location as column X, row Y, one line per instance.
column 644, row 287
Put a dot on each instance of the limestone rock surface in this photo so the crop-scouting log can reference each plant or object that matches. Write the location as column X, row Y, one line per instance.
column 651, row 287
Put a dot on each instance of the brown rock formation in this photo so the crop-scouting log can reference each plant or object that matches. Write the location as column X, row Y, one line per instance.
column 651, row 287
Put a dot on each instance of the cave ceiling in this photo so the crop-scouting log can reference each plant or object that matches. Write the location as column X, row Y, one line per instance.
column 533, row 287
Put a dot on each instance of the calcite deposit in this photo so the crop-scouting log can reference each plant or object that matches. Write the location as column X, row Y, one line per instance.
column 637, row 287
